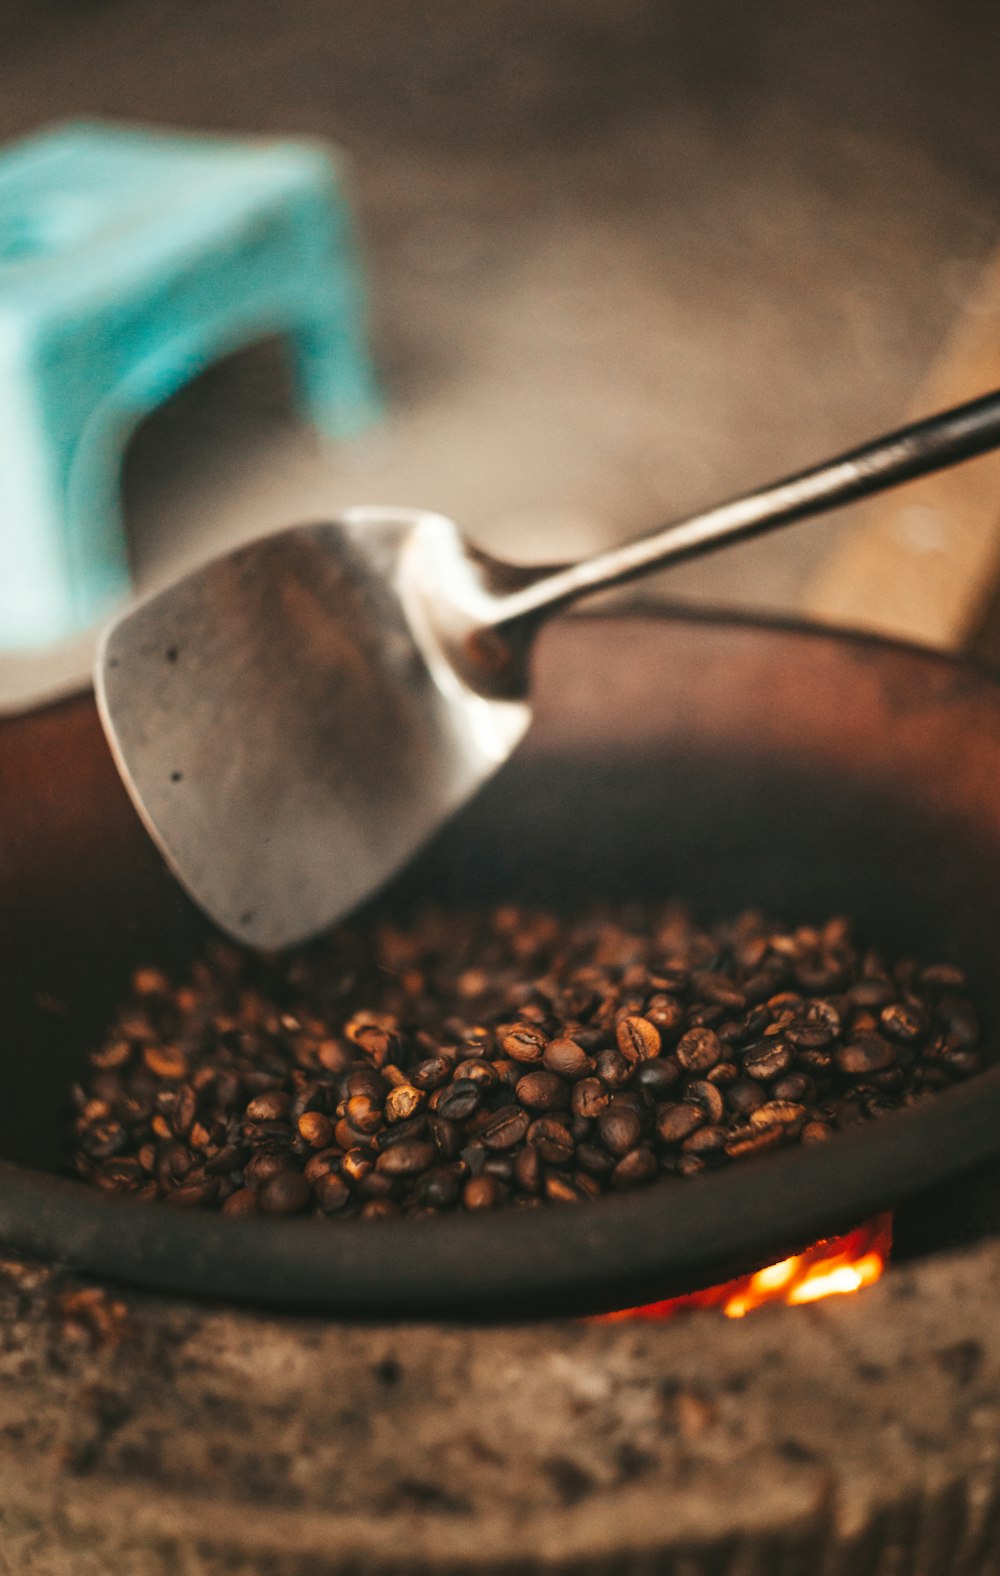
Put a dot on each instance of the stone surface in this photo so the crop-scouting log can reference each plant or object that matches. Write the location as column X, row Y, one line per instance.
column 156, row 1437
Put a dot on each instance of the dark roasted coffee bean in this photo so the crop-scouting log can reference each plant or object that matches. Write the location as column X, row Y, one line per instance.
column 816, row 1133
column 331, row 1192
column 264, row 1165
column 797, row 1086
column 562, row 1189
column 755, row 1143
column 446, row 1137
column 594, row 1160
column 439, row 1188
column 589, row 1097
column 270, row 1107
column 322, row 1164
column 377, row 1184
column 778, row 1113
column 638, row 1039
column 523, row 1042
column 406, row 1159
column 902, row 1021
column 553, row 1140
column 707, row 1098
column 767, row 1059
column 242, row 1202
column 432, row 1073
column 705, row 1141
column 744, row 1097
column 542, row 1091
column 869, row 1053
column 480, row 1193
column 658, row 1077
column 505, row 1127
column 675, row 1122
column 364, row 1113
column 567, row 1060
column 403, row 1102
column 528, row 1170
column 459, row 1102
column 634, row 1169
column 192, row 1194
column 284, row 1194
column 619, row 1129
column 613, row 1069
column 699, row 1050
column 664, row 1013
column 229, row 1158
column 379, row 1209
column 316, row 1129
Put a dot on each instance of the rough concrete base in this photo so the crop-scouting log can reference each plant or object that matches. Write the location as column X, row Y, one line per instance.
column 862, row 1434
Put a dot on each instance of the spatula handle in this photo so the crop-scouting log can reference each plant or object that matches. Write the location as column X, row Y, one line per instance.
column 911, row 451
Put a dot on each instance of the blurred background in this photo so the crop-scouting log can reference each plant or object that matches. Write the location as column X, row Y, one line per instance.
column 624, row 257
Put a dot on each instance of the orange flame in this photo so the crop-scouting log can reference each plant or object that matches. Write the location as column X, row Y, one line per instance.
column 830, row 1268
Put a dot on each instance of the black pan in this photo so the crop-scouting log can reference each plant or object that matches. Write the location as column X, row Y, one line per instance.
column 729, row 763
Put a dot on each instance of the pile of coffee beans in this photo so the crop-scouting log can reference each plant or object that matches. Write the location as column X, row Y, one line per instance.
column 510, row 1058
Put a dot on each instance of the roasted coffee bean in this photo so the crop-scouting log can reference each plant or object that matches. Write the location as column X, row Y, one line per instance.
column 192, row 1194
column 532, row 1059
column 528, row 1170
column 439, row 1187
column 619, row 1129
column 406, row 1159
column 523, row 1042
column 867, row 1054
column 505, row 1127
column 562, row 1189
column 273, row 1106
column 674, row 1123
column 634, row 1169
column 321, row 1164
column 403, row 1102
column 638, row 1039
column 445, row 1136
column 768, row 1059
column 699, row 1050
column 778, row 1113
column 664, row 1013
column 552, row 1139
column 705, row 1141
column 658, row 1077
column 284, row 1194
column 480, row 1192
column 331, row 1192
column 316, row 1129
column 459, row 1102
column 230, row 1158
column 707, row 1098
column 613, row 1069
column 242, row 1202
column 431, row 1074
column 567, row 1060
column 594, row 1160
column 542, row 1091
column 589, row 1097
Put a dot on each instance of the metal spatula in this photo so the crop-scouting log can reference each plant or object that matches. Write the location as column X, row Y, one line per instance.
column 294, row 720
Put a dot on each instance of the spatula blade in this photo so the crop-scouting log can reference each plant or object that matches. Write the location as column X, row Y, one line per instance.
column 280, row 731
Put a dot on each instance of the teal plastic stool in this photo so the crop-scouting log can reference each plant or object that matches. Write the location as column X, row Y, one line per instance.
column 129, row 261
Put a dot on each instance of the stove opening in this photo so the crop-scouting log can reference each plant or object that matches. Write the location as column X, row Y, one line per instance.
column 833, row 1267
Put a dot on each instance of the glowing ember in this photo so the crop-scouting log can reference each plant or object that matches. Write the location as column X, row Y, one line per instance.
column 830, row 1268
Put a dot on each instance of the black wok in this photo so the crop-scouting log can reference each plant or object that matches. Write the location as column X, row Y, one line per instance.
column 727, row 763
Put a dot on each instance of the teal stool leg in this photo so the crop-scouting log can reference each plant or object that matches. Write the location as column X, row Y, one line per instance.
column 334, row 381
column 37, row 601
